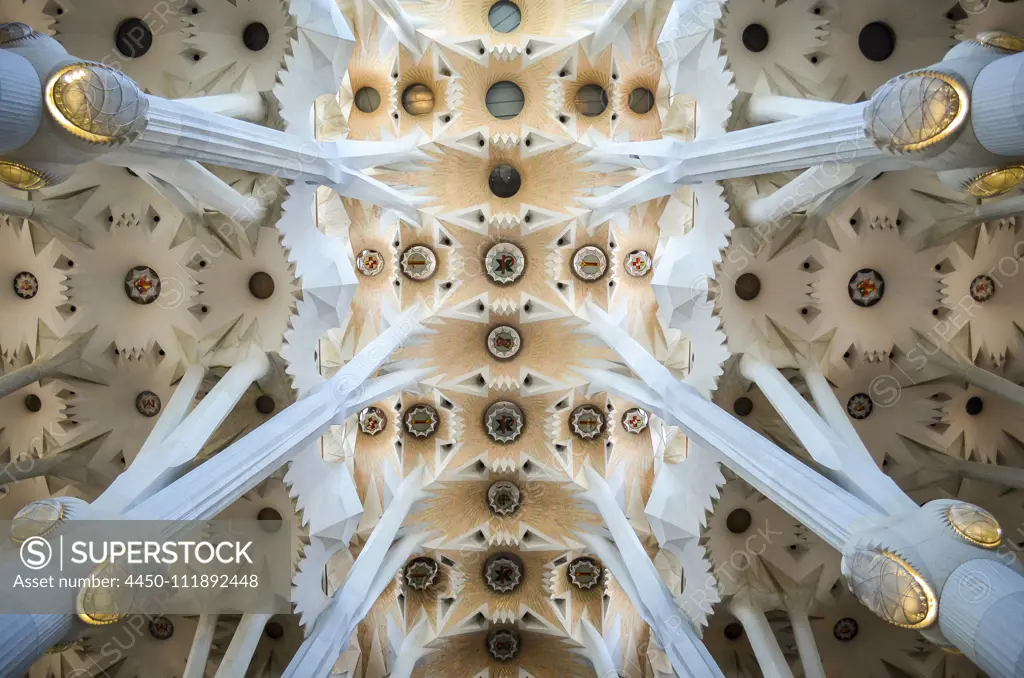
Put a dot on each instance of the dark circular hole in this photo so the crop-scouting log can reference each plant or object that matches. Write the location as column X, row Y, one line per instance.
column 733, row 630
column 504, row 16
column 265, row 404
column 256, row 36
column 270, row 519
column 132, row 38
column 743, row 406
column 877, row 41
column 367, row 99
column 748, row 286
column 33, row 403
column 505, row 100
column 641, row 100
column 261, row 285
column 505, row 181
column 273, row 630
column 755, row 38
column 738, row 521
column 591, row 100
column 974, row 406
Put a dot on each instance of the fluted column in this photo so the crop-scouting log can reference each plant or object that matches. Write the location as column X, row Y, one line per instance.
column 373, row 570
column 249, row 106
column 21, row 106
column 762, row 639
column 981, row 611
column 242, row 646
column 767, row 108
column 24, row 637
column 996, row 112
column 199, row 653
column 806, row 644
column 157, row 464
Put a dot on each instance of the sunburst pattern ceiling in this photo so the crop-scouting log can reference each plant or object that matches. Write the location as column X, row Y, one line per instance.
column 127, row 289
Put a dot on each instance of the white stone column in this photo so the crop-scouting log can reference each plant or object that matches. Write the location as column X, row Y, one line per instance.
column 611, row 24
column 798, row 194
column 373, row 570
column 948, row 229
column 210, row 488
column 411, row 650
column 806, row 645
column 21, row 107
column 596, row 651
column 242, row 646
column 996, row 115
column 199, row 653
column 25, row 637
column 762, row 639
column 402, row 24
column 250, row 106
column 981, row 611
column 161, row 462
column 819, row 504
column 688, row 655
column 767, row 108
column 41, row 368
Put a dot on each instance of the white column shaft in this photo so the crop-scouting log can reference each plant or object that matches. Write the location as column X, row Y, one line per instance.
column 597, row 651
column 249, row 106
column 806, row 645
column 762, row 640
column 21, row 107
column 164, row 462
column 689, row 657
column 243, row 644
column 16, row 207
column 177, row 130
column 798, row 194
column 25, row 637
column 176, row 408
column 30, row 374
column 981, row 611
column 199, row 653
column 372, row 571
column 763, row 109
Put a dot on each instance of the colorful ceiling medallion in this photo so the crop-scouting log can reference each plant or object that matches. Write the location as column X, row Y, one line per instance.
column 142, row 285
column 26, row 285
column 370, row 263
column 503, row 497
column 148, row 404
column 584, row 573
column 372, row 420
column 983, row 288
column 503, row 644
column 421, row 421
column 421, row 573
column 161, row 628
column 504, row 421
column 419, row 263
column 638, row 263
column 859, row 406
column 589, row 263
column 845, row 629
column 505, row 263
column 587, row 422
column 635, row 420
column 504, row 342
column 503, row 572
column 975, row 524
column 866, row 287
